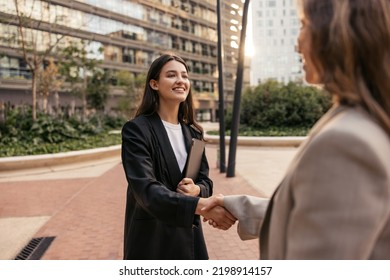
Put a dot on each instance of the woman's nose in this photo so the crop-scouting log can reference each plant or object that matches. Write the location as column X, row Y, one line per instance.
column 180, row 79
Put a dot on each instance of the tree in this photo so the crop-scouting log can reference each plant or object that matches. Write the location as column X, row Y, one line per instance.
column 76, row 66
column 97, row 90
column 48, row 82
column 36, row 46
column 133, row 87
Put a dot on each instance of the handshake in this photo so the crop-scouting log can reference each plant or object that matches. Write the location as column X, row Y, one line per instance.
column 212, row 209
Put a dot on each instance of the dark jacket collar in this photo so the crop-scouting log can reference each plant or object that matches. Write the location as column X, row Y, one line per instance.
column 166, row 147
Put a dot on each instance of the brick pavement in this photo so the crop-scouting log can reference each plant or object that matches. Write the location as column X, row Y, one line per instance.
column 86, row 214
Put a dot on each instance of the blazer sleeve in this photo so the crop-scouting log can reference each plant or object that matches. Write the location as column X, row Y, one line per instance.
column 138, row 151
column 341, row 199
column 249, row 211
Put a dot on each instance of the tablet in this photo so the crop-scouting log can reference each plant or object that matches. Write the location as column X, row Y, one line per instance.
column 194, row 159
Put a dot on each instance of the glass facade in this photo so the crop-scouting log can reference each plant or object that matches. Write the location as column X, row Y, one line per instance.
column 132, row 34
column 275, row 32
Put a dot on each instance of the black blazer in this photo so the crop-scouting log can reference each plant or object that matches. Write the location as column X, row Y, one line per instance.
column 159, row 223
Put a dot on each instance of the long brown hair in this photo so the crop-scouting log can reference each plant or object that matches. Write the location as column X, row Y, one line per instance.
column 350, row 45
column 150, row 99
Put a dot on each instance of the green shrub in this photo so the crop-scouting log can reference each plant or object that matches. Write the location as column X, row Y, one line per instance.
column 273, row 104
column 19, row 135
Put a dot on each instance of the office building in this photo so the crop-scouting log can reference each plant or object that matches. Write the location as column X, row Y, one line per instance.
column 132, row 33
column 275, row 27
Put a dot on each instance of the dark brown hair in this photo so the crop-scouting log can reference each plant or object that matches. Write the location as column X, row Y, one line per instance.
column 350, row 46
column 150, row 99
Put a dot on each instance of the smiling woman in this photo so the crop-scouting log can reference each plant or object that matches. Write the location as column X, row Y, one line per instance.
column 173, row 87
column 163, row 206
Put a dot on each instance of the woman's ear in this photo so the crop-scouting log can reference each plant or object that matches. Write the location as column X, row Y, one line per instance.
column 153, row 84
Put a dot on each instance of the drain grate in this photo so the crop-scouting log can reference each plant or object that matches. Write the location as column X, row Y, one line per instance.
column 35, row 249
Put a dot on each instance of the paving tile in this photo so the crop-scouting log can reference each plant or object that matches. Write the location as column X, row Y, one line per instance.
column 86, row 214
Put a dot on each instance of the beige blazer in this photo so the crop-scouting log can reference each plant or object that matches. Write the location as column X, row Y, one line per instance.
column 334, row 201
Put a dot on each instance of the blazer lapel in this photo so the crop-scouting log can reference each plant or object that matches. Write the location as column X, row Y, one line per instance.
column 166, row 149
column 333, row 111
column 336, row 109
column 187, row 136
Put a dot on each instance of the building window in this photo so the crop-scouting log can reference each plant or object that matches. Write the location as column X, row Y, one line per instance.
column 271, row 3
column 165, row 20
column 112, row 53
column 198, row 86
column 176, row 23
column 186, row 26
column 207, row 69
column 188, row 46
column 175, row 3
column 197, row 67
column 175, row 43
column 190, row 65
column 197, row 48
column 128, row 56
column 9, row 67
column 153, row 16
column 205, row 50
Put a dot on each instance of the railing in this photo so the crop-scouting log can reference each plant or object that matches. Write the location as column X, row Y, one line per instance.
column 15, row 73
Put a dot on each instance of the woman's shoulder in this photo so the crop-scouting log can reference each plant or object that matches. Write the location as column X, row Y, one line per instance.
column 139, row 125
column 355, row 121
column 140, row 120
column 195, row 132
column 355, row 127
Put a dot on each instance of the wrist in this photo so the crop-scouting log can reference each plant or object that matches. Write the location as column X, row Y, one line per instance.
column 198, row 190
column 220, row 200
column 200, row 205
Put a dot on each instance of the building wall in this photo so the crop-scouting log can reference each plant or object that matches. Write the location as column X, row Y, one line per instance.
column 132, row 32
column 231, row 25
column 275, row 27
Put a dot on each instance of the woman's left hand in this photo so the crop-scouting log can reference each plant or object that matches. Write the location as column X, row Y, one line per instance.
column 188, row 187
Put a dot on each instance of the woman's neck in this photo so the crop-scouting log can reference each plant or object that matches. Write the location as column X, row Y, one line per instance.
column 169, row 114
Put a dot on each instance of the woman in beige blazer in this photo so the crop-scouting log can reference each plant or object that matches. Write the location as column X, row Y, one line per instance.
column 334, row 201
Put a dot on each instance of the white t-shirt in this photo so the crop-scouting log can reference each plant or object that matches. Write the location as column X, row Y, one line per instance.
column 176, row 137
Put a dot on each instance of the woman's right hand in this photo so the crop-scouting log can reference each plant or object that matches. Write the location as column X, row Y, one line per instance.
column 212, row 201
column 212, row 210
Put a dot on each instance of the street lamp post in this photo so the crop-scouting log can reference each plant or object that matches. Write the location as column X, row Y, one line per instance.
column 237, row 96
column 221, row 107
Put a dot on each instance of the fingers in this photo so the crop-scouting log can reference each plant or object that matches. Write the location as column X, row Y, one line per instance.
column 187, row 187
column 230, row 216
column 185, row 181
column 211, row 223
column 221, row 218
column 185, row 191
column 213, row 201
column 183, row 188
column 225, row 224
column 228, row 219
column 212, row 210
